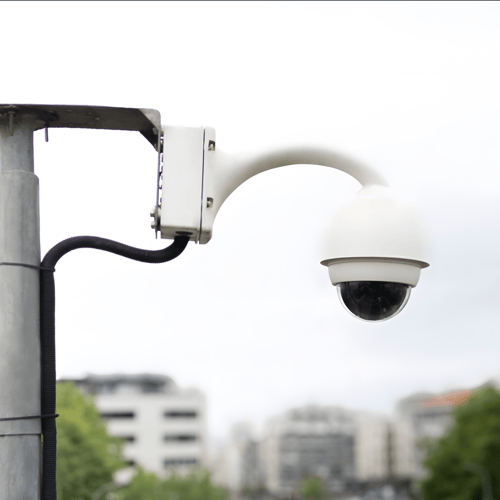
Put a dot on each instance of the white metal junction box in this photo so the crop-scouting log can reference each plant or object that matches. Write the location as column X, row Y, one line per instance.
column 185, row 158
column 182, row 181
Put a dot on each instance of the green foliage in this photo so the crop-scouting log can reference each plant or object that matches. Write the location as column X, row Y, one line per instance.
column 87, row 456
column 427, row 445
column 458, row 462
column 195, row 486
column 313, row 488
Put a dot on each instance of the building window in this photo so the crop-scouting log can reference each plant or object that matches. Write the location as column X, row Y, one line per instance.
column 180, row 438
column 129, row 439
column 118, row 414
column 174, row 462
column 180, row 414
column 109, row 388
column 288, row 473
column 336, row 470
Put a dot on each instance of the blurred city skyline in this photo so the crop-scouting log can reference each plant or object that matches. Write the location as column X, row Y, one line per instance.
column 256, row 429
column 164, row 428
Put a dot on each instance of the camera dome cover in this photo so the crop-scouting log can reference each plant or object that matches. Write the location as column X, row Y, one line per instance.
column 375, row 237
column 373, row 300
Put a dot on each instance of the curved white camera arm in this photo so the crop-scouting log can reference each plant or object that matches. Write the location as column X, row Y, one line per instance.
column 375, row 246
column 198, row 178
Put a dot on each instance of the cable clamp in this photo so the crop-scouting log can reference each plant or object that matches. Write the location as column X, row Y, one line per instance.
column 55, row 415
column 40, row 268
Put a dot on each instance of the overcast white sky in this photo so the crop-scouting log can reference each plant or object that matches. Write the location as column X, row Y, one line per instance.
column 411, row 88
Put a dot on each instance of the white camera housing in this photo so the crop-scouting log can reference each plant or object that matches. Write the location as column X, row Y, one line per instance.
column 376, row 237
column 375, row 247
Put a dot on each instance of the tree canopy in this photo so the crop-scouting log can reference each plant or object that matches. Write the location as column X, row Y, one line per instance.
column 313, row 488
column 197, row 485
column 87, row 456
column 465, row 463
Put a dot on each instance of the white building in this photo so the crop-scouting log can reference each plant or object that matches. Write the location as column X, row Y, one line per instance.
column 236, row 463
column 347, row 448
column 312, row 440
column 372, row 450
column 225, row 468
column 430, row 417
column 384, row 450
column 165, row 427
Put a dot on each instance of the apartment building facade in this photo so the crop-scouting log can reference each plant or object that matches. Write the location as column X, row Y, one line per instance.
column 311, row 440
column 164, row 426
column 429, row 416
column 384, row 450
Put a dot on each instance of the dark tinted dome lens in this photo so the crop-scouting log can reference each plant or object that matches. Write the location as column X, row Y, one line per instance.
column 373, row 300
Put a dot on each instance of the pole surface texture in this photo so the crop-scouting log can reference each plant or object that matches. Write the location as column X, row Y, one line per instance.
column 20, row 446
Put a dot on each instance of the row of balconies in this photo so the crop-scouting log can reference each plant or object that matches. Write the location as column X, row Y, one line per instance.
column 171, row 438
column 127, row 415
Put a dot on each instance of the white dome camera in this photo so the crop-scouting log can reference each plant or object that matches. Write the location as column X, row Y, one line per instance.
column 375, row 245
column 374, row 251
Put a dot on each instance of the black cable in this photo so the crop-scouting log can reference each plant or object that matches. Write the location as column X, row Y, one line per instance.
column 47, row 332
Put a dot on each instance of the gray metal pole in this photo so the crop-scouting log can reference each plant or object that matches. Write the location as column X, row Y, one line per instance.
column 20, row 447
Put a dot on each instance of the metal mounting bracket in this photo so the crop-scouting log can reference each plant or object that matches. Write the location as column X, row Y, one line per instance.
column 145, row 121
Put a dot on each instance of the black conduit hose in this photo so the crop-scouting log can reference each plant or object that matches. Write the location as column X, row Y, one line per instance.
column 47, row 332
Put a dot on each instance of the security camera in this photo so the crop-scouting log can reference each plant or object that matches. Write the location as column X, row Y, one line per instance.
column 375, row 249
column 375, row 246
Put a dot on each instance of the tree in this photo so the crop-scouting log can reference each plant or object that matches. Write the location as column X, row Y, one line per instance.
column 313, row 488
column 465, row 464
column 197, row 485
column 87, row 456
